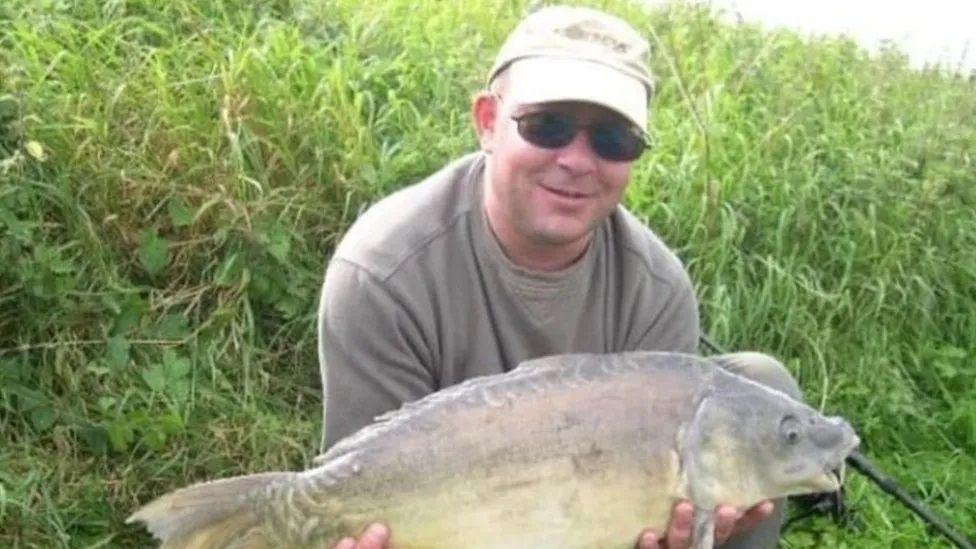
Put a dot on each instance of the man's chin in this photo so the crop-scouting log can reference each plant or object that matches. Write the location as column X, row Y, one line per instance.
column 563, row 235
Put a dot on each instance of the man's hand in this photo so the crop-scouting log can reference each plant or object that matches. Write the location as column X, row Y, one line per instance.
column 377, row 536
column 728, row 522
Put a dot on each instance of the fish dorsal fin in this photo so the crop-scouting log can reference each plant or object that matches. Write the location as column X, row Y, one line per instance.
column 404, row 413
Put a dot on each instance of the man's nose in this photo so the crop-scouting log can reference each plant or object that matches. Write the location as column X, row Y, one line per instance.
column 578, row 156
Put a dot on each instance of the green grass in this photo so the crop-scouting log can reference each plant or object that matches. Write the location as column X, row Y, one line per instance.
column 174, row 175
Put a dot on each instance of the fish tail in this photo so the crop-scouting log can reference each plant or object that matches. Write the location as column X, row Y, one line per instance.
column 210, row 514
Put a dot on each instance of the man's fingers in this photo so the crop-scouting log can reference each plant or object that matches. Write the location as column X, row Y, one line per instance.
column 754, row 515
column 647, row 540
column 728, row 522
column 725, row 523
column 377, row 536
column 679, row 530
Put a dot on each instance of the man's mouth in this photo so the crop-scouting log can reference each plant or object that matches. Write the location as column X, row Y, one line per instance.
column 565, row 193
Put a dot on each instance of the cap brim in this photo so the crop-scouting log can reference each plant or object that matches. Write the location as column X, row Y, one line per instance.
column 547, row 79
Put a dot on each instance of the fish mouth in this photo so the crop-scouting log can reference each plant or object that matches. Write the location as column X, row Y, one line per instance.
column 835, row 477
column 833, row 472
column 839, row 468
column 830, row 480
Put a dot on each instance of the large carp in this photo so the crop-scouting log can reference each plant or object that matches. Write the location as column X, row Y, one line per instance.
column 570, row 451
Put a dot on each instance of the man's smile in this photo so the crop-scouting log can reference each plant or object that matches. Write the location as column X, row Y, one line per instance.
column 564, row 193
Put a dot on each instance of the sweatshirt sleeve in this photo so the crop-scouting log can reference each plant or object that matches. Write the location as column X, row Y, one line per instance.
column 675, row 325
column 373, row 356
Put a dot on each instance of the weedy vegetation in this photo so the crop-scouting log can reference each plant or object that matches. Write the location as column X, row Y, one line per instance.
column 173, row 176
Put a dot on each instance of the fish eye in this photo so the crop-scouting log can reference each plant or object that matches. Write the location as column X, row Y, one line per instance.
column 789, row 428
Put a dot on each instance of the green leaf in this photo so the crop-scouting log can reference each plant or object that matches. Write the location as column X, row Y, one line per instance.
column 139, row 419
column 229, row 272
column 157, row 429
column 118, row 351
column 16, row 228
column 290, row 307
column 13, row 370
column 154, row 439
column 130, row 313
column 155, row 377
column 120, row 435
column 179, row 214
column 43, row 417
column 179, row 389
column 170, row 423
column 169, row 377
column 95, row 437
column 173, row 326
column 176, row 365
column 153, row 252
column 53, row 259
column 8, row 107
column 35, row 405
column 279, row 243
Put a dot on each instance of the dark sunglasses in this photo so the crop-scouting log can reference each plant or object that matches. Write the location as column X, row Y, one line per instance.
column 615, row 141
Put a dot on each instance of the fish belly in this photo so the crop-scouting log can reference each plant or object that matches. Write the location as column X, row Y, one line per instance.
column 547, row 505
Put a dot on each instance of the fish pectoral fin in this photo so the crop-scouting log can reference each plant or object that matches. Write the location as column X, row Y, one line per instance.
column 703, row 535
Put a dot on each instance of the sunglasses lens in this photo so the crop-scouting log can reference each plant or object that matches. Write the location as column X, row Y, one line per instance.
column 549, row 130
column 616, row 142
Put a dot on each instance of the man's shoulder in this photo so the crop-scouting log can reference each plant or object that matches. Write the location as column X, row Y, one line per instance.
column 644, row 248
column 403, row 223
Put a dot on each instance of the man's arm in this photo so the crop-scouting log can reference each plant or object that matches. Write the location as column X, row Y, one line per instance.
column 675, row 326
column 373, row 354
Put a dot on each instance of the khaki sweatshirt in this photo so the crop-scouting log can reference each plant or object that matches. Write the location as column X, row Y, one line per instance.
column 419, row 296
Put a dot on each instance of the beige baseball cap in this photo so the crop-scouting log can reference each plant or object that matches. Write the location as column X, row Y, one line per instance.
column 563, row 53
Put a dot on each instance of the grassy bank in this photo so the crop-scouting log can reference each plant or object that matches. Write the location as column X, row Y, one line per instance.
column 174, row 175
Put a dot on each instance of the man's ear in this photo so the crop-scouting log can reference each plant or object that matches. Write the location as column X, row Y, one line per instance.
column 484, row 115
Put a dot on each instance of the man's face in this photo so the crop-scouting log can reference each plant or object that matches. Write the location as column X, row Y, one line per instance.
column 550, row 197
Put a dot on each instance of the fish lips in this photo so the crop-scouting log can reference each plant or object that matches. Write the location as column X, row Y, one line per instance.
column 831, row 480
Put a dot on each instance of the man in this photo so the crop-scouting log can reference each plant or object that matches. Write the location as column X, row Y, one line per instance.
column 518, row 251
